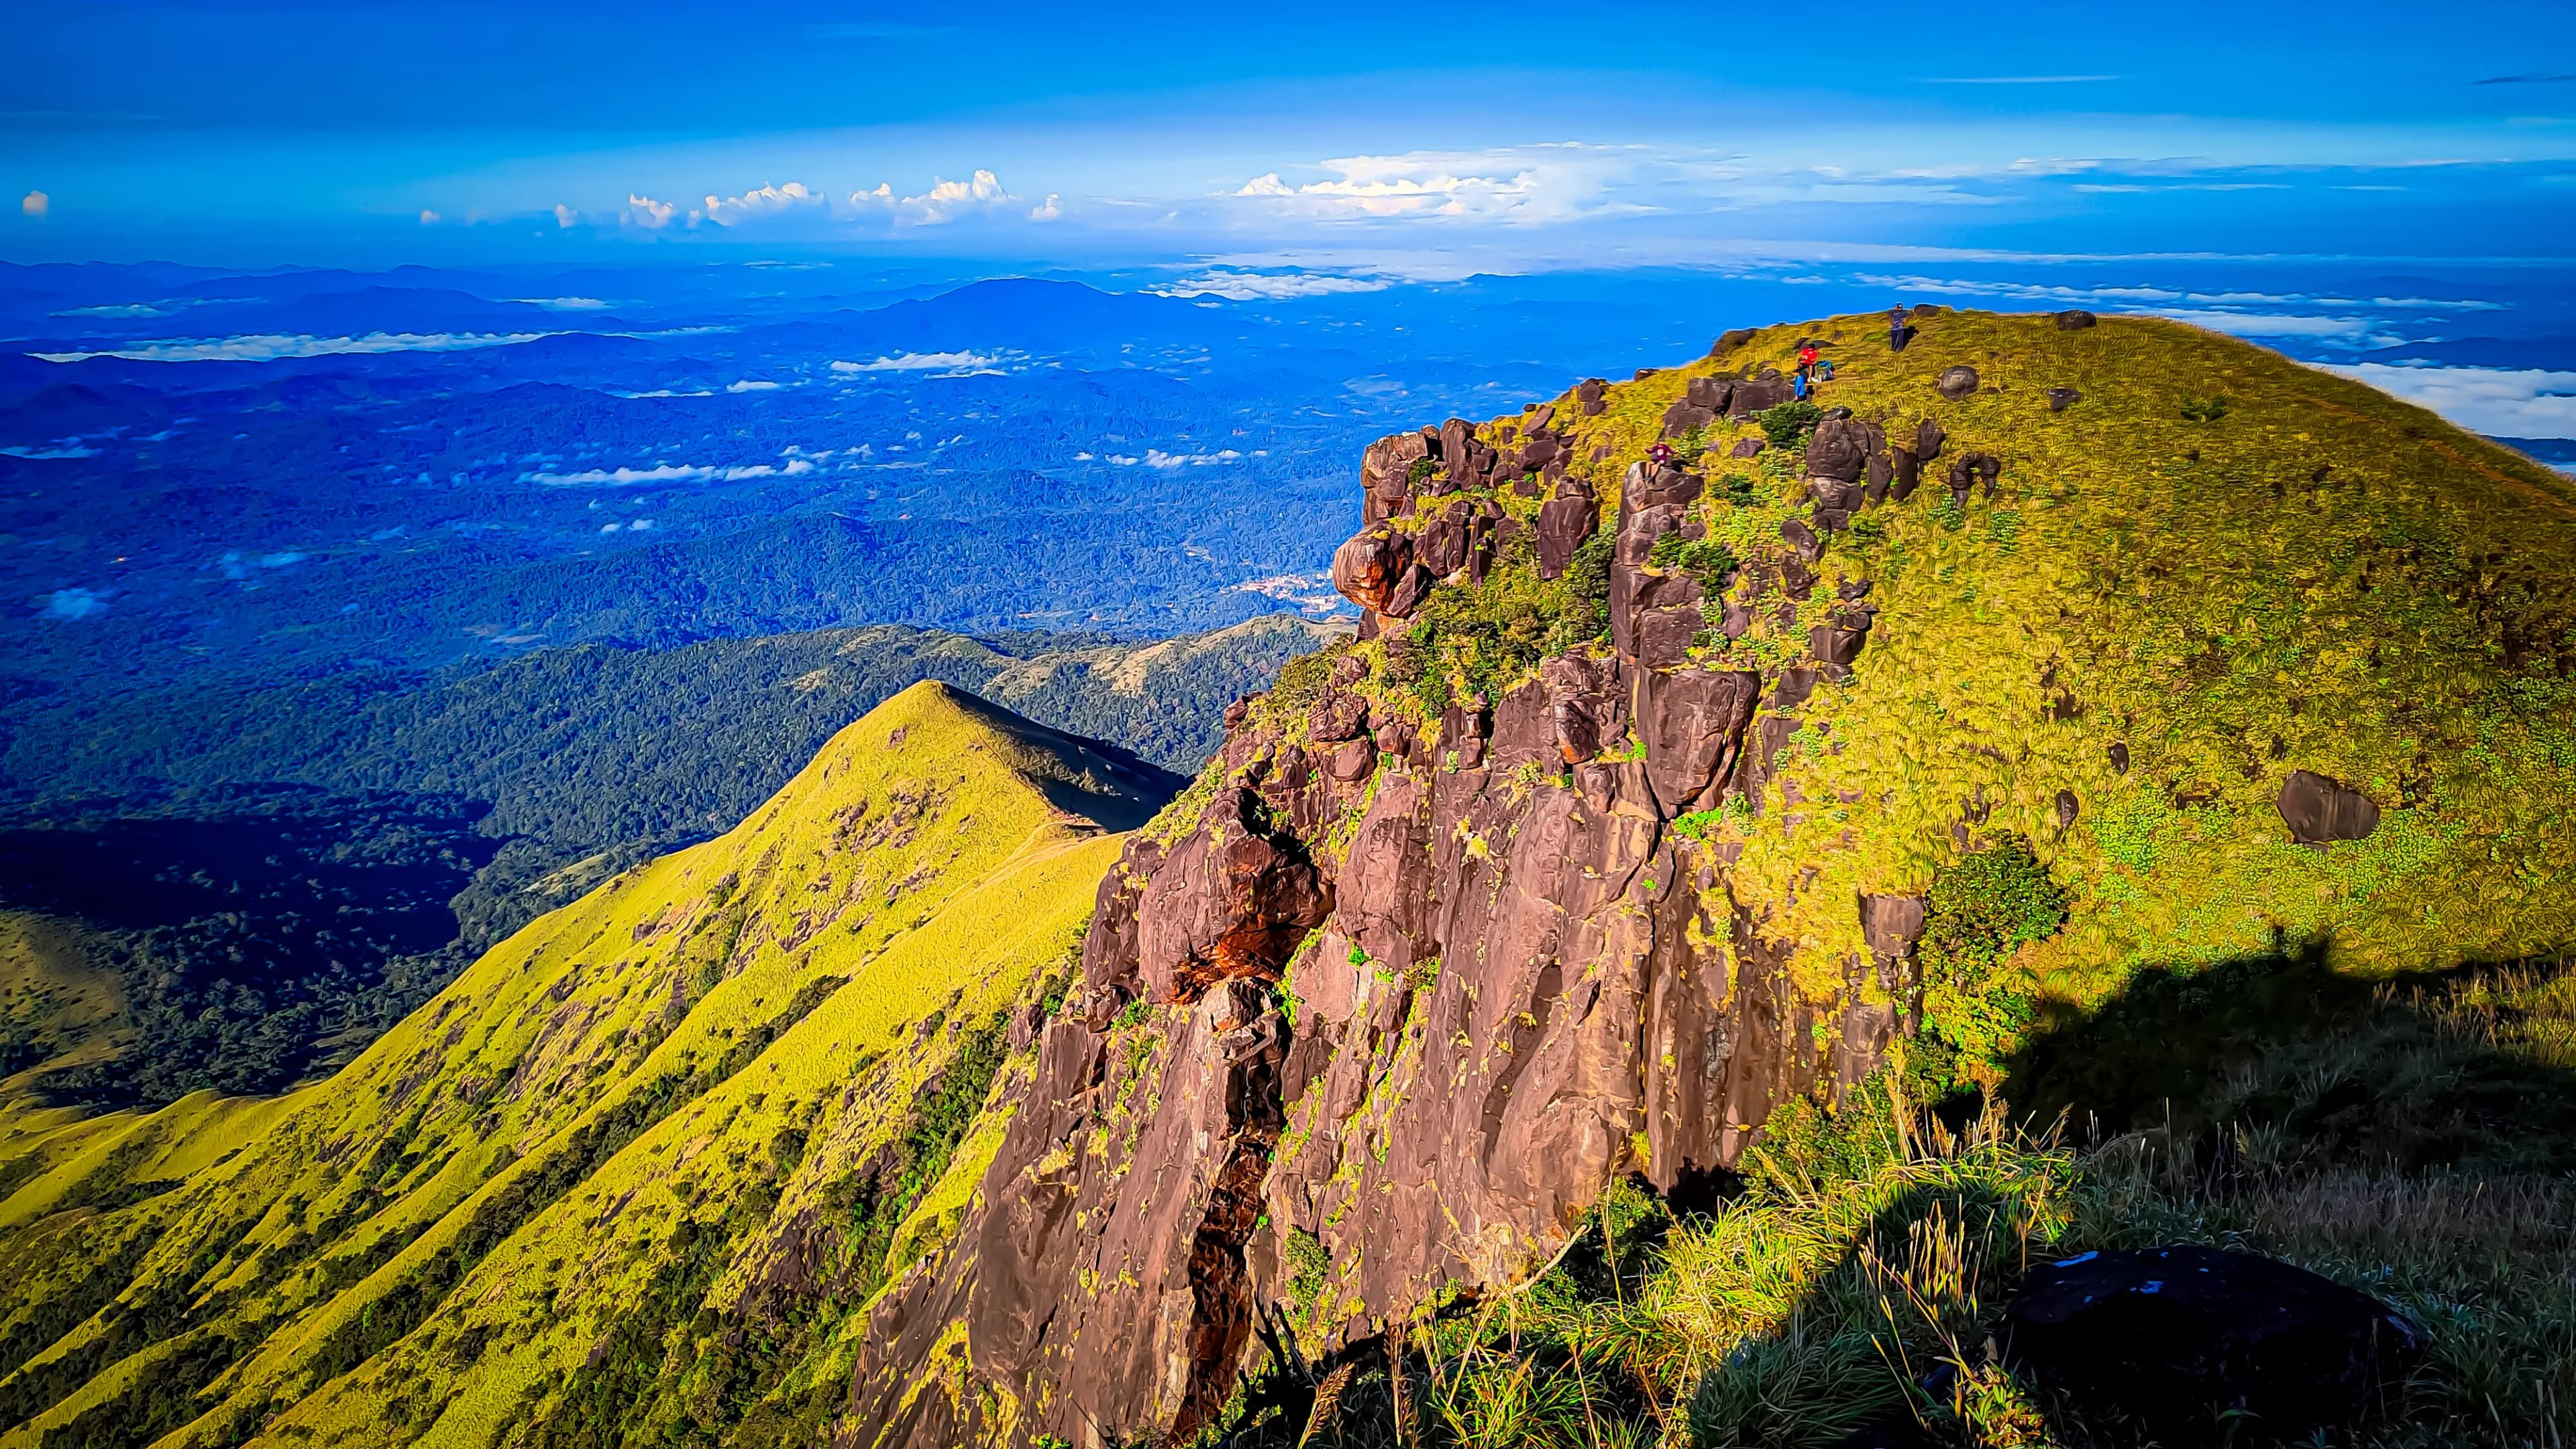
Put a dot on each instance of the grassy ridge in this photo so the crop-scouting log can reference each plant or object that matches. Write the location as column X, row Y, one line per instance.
column 429, row 1245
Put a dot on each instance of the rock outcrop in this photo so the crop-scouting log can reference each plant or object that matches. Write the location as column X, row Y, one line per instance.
column 1404, row 1001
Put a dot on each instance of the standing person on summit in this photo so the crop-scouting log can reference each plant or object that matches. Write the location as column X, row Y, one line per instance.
column 1896, row 329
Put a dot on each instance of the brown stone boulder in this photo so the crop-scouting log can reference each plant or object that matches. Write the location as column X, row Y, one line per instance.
column 1709, row 392
column 2320, row 810
column 1799, row 536
column 1386, row 475
column 1840, row 450
column 1336, row 717
column 1409, row 592
column 1691, row 722
column 1729, row 340
column 1956, row 382
column 1836, row 647
column 2075, row 320
column 1757, row 395
column 1685, row 415
column 2062, row 398
column 1970, row 469
column 1563, row 524
column 1664, row 636
column 1892, row 924
column 1441, row 547
column 1352, row 760
column 1367, row 566
column 1905, row 473
column 1928, row 438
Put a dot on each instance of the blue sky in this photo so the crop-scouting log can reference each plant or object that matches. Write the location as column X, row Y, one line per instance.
column 1411, row 139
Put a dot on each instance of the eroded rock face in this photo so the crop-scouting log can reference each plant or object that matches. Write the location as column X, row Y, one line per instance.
column 1368, row 565
column 1411, row 999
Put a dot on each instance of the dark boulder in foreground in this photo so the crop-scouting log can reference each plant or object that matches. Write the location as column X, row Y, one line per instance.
column 2182, row 1341
column 2319, row 810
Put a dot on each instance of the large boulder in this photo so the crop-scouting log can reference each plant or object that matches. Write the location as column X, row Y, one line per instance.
column 1729, row 340
column 1685, row 415
column 1386, row 474
column 1840, row 450
column 1442, row 546
column 2186, row 1341
column 1409, row 592
column 2319, row 810
column 1563, row 524
column 1368, row 564
column 2074, row 320
column 1691, row 722
column 1757, row 395
column 1956, row 382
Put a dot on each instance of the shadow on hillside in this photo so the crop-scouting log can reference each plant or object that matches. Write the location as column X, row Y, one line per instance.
column 2448, row 1069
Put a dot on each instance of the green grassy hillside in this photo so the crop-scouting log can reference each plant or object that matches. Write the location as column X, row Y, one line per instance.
column 2215, row 567
column 603, row 1146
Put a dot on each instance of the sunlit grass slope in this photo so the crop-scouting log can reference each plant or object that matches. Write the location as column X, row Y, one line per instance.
column 2310, row 575
column 742, row 1064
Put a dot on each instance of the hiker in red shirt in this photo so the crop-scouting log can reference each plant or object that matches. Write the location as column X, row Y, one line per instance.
column 1807, row 356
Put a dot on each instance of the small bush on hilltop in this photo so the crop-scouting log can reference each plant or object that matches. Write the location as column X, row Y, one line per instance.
column 1790, row 424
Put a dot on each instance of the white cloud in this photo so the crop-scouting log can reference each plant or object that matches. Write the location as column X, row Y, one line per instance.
column 1050, row 209
column 1157, row 458
column 644, row 211
column 36, row 204
column 428, row 217
column 2256, row 324
column 269, row 348
column 73, row 603
column 563, row 304
column 946, row 200
column 751, row 385
column 565, row 216
column 1271, row 287
column 2502, row 402
column 671, row 473
column 68, row 448
column 922, row 362
column 760, row 202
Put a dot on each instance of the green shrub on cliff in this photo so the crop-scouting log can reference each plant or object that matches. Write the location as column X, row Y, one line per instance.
column 1481, row 640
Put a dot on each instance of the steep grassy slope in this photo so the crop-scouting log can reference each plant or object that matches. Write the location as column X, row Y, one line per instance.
column 264, row 934
column 748, row 1060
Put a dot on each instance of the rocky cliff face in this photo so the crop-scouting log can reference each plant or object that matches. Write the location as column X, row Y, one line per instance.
column 1408, row 994
column 1602, row 841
